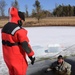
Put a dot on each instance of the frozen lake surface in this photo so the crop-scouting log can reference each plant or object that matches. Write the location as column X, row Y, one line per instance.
column 51, row 35
column 41, row 37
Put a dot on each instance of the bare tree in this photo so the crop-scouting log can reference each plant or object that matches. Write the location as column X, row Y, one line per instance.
column 33, row 13
column 2, row 7
column 15, row 4
column 26, row 11
column 38, row 9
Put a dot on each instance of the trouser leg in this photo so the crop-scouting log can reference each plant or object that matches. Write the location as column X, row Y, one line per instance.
column 20, row 68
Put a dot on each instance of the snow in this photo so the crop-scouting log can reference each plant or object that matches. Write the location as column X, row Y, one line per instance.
column 42, row 38
column 51, row 35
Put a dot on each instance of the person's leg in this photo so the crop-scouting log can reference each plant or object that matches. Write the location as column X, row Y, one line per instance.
column 20, row 67
column 10, row 68
column 11, row 72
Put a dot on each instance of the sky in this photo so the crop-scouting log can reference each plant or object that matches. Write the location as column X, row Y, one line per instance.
column 46, row 4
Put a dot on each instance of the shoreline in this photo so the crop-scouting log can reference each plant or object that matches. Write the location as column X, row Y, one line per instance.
column 49, row 21
column 49, row 26
column 46, row 26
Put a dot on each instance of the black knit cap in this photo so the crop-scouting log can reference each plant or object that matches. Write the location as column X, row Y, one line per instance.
column 21, row 15
column 60, row 57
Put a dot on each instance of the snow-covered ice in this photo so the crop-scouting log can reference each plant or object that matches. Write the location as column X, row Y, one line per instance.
column 42, row 37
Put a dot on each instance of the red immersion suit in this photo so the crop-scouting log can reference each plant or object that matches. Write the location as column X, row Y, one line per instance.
column 14, row 38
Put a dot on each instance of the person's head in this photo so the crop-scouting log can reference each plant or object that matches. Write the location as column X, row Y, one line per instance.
column 60, row 59
column 22, row 17
column 16, row 16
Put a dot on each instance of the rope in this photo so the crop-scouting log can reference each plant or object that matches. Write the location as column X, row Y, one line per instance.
column 62, row 51
column 57, row 53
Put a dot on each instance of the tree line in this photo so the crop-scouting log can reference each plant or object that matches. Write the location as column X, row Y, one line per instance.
column 64, row 10
column 38, row 12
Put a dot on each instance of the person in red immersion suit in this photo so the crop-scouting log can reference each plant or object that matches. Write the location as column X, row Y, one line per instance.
column 15, row 44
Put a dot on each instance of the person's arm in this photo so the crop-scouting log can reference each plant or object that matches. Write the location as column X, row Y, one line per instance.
column 68, row 72
column 23, row 39
column 50, row 68
column 26, row 47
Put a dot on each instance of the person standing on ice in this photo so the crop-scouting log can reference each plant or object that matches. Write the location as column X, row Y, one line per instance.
column 15, row 44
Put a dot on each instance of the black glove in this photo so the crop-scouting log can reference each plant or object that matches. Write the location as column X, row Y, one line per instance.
column 32, row 59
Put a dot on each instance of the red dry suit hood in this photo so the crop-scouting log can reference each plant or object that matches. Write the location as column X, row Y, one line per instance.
column 13, row 14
